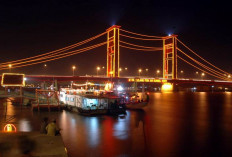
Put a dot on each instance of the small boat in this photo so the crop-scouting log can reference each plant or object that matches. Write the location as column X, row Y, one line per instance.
column 136, row 102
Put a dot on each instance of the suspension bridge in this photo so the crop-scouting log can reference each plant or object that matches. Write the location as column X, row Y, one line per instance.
column 174, row 50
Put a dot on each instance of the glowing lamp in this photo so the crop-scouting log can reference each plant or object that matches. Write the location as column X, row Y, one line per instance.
column 119, row 88
column 108, row 86
column 167, row 87
column 9, row 128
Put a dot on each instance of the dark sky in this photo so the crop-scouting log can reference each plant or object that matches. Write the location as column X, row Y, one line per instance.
column 28, row 28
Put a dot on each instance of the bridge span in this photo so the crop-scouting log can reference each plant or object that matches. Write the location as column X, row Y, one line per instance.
column 128, row 79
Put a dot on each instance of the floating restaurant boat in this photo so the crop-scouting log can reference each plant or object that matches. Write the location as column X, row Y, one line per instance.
column 92, row 102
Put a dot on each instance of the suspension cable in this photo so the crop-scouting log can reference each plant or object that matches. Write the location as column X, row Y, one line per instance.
column 201, row 57
column 140, row 49
column 66, row 55
column 41, row 58
column 138, row 38
column 202, row 65
column 149, row 36
column 56, row 51
column 140, row 45
column 201, row 69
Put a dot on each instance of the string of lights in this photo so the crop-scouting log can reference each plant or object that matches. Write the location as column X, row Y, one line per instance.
column 149, row 36
column 61, row 56
column 132, row 48
column 202, row 65
column 201, row 69
column 138, row 38
column 158, row 48
column 53, row 53
column 202, row 57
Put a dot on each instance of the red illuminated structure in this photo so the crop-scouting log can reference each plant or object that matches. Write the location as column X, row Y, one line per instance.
column 113, row 51
column 170, row 57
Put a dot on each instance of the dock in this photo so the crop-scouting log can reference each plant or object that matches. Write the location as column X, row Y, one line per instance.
column 41, row 145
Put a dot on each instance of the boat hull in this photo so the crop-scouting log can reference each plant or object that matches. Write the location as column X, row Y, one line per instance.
column 100, row 111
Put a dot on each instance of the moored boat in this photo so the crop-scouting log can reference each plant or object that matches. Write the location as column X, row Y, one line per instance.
column 137, row 102
column 92, row 104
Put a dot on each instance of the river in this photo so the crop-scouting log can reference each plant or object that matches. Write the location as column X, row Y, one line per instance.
column 173, row 124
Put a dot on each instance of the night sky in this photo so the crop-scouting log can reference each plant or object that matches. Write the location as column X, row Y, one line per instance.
column 29, row 28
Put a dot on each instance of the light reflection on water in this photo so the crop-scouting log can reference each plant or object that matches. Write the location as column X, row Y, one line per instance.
column 173, row 124
column 24, row 125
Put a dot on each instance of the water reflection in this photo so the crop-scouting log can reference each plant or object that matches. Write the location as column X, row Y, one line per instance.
column 93, row 132
column 173, row 124
column 24, row 125
column 121, row 127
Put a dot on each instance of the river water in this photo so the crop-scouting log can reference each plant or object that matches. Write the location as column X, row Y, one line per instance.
column 173, row 124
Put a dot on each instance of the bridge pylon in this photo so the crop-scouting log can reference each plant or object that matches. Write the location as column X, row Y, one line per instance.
column 113, row 51
column 170, row 57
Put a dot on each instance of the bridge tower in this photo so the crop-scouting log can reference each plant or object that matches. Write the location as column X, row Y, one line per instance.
column 170, row 57
column 113, row 51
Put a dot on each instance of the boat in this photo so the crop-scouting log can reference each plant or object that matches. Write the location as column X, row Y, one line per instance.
column 92, row 103
column 135, row 101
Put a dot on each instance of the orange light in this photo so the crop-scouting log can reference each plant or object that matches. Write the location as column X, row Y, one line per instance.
column 9, row 128
column 108, row 86
column 167, row 87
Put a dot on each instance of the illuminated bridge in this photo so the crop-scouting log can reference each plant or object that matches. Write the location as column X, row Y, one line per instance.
column 117, row 38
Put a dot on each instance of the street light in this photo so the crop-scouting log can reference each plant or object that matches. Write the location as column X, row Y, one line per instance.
column 126, row 68
column 202, row 75
column 98, row 68
column 197, row 73
column 147, row 71
column 182, row 72
column 45, row 67
column 73, row 68
column 10, row 67
column 140, row 70
column 120, row 70
column 157, row 72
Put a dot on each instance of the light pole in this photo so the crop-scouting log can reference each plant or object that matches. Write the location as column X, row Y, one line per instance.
column 147, row 71
column 10, row 67
column 103, row 70
column 45, row 67
column 140, row 70
column 73, row 69
column 197, row 73
column 182, row 73
column 98, row 68
column 202, row 75
column 157, row 73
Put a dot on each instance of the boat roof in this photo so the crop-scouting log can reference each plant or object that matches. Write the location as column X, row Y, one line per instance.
column 101, row 97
